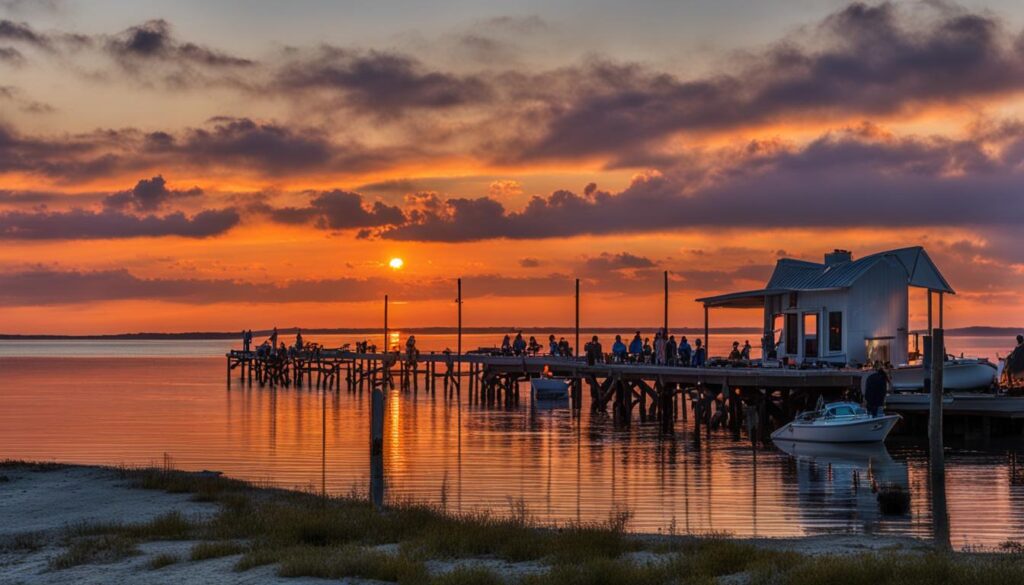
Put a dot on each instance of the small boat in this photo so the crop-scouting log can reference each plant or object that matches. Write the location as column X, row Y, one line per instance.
column 837, row 422
column 550, row 389
column 957, row 374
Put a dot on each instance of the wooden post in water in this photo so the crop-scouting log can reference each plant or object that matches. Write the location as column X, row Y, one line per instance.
column 577, row 348
column 458, row 344
column 936, row 459
column 377, row 447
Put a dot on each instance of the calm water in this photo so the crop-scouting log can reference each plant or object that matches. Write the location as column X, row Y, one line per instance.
column 134, row 402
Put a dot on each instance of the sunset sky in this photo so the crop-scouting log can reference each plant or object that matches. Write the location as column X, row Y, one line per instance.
column 217, row 165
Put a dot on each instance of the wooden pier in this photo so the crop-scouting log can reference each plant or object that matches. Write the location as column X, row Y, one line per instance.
column 717, row 396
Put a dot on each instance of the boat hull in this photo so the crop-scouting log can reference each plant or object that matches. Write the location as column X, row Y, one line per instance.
column 970, row 375
column 867, row 430
column 550, row 389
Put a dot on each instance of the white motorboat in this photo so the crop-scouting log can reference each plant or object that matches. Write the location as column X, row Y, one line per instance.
column 550, row 389
column 957, row 374
column 838, row 422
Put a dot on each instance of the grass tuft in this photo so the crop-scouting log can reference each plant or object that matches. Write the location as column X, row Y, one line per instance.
column 106, row 548
column 162, row 560
column 215, row 550
column 351, row 561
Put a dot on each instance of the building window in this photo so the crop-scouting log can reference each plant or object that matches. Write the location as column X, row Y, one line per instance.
column 792, row 334
column 835, row 331
column 810, row 335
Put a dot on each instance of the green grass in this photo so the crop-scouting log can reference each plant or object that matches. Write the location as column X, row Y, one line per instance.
column 215, row 550
column 895, row 569
column 170, row 526
column 23, row 542
column 306, row 534
column 162, row 560
column 106, row 548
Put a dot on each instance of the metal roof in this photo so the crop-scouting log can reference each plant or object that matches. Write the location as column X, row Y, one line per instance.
column 799, row 275
column 802, row 275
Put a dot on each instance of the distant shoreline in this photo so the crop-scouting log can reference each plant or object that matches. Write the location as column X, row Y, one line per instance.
column 974, row 331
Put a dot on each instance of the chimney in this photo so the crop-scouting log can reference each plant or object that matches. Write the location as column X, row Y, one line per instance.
column 838, row 256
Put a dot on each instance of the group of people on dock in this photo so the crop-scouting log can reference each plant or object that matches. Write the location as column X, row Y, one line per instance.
column 270, row 348
column 663, row 350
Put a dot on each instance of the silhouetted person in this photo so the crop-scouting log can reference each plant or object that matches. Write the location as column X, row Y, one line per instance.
column 273, row 337
column 506, row 345
column 685, row 352
column 298, row 340
column 619, row 350
column 519, row 345
column 636, row 347
column 735, row 355
column 745, row 352
column 875, row 389
column 594, row 351
column 552, row 344
column 699, row 354
column 246, row 340
column 671, row 350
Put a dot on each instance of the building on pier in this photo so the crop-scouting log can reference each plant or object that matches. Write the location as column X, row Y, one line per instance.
column 842, row 310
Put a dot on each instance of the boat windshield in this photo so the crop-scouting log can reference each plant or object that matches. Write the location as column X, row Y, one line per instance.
column 844, row 410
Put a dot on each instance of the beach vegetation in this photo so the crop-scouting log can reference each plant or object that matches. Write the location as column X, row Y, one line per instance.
column 162, row 560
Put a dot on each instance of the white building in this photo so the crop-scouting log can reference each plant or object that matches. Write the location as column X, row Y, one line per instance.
column 843, row 310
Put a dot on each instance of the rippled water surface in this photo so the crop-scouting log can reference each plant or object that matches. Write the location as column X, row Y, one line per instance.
column 134, row 402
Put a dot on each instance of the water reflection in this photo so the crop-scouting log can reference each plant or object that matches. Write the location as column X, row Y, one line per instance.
column 562, row 467
column 852, row 478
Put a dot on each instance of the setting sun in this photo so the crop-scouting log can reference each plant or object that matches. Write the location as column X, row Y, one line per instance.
column 396, row 263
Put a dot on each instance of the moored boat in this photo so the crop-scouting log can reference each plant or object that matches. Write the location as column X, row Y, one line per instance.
column 957, row 374
column 837, row 422
column 549, row 389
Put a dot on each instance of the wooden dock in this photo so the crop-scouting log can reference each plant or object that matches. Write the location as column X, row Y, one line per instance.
column 717, row 396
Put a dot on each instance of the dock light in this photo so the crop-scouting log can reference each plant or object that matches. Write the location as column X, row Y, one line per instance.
column 396, row 263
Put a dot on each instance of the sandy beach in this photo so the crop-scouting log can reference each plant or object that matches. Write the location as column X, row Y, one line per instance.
column 44, row 506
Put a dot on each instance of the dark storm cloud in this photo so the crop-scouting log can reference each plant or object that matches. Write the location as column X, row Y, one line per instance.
column 23, row 33
column 148, row 195
column 622, row 261
column 244, row 142
column 339, row 210
column 11, row 56
column 45, row 286
column 153, row 40
column 78, row 224
column 852, row 178
column 874, row 60
column 379, row 82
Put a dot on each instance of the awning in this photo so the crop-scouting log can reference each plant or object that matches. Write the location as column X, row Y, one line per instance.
column 751, row 299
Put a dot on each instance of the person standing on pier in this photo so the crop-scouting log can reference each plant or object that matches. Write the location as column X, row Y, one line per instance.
column 552, row 344
column 564, row 349
column 298, row 340
column 273, row 337
column 246, row 340
column 594, row 351
column 875, row 388
column 648, row 351
column 671, row 351
column 745, row 352
column 699, row 354
column 659, row 348
column 685, row 352
column 636, row 348
column 506, row 345
column 619, row 350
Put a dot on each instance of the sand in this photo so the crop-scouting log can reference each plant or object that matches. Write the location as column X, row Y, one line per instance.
column 47, row 502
